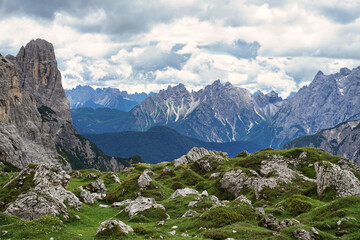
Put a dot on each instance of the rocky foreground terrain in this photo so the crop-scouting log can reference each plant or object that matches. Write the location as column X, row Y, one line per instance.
column 302, row 193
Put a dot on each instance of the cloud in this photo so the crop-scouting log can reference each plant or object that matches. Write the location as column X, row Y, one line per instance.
column 238, row 48
column 144, row 46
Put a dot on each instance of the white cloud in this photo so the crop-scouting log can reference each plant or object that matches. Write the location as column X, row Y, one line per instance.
column 297, row 38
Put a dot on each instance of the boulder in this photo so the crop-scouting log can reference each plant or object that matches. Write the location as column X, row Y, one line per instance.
column 119, row 204
column 91, row 176
column 110, row 223
column 301, row 234
column 234, row 181
column 141, row 204
column 204, row 194
column 86, row 196
column 331, row 175
column 98, row 186
column 48, row 196
column 214, row 176
column 243, row 198
column 270, row 222
column 184, row 192
column 145, row 179
column 197, row 153
column 190, row 213
column 260, row 210
column 77, row 174
column 115, row 178
column 204, row 165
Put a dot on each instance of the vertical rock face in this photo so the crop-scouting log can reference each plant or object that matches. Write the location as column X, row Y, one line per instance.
column 326, row 102
column 342, row 140
column 24, row 137
column 39, row 76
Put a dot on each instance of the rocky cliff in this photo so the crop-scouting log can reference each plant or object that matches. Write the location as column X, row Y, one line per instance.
column 342, row 140
column 36, row 66
column 326, row 102
column 24, row 136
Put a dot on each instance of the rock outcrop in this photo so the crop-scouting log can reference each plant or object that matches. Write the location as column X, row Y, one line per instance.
column 110, row 223
column 36, row 67
column 145, row 179
column 184, row 192
column 235, row 180
column 48, row 196
column 24, row 137
column 331, row 175
column 141, row 204
column 197, row 153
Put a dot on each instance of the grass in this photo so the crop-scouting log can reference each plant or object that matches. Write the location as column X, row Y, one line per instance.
column 233, row 219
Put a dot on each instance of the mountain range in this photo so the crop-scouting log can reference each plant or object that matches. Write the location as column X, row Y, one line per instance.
column 225, row 113
column 86, row 96
column 159, row 144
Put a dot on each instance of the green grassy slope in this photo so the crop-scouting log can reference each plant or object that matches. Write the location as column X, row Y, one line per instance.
column 238, row 220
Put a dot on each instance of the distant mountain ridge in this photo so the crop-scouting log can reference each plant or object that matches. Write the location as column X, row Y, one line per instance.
column 217, row 113
column 342, row 140
column 86, row 96
column 160, row 144
column 326, row 102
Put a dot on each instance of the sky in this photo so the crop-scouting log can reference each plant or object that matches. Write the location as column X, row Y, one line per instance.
column 143, row 46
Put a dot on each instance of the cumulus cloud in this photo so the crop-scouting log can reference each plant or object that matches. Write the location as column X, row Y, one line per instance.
column 145, row 46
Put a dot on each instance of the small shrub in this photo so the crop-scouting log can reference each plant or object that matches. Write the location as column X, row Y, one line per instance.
column 221, row 216
column 296, row 206
column 139, row 230
column 112, row 233
column 216, row 234
column 177, row 185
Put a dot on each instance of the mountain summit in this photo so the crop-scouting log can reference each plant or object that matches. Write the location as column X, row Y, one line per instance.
column 36, row 67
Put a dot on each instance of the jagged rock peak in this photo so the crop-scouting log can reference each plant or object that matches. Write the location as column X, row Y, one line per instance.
column 38, row 49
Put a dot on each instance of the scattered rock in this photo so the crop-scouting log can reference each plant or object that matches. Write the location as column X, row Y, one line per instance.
column 301, row 234
column 234, row 181
column 141, row 204
column 314, row 231
column 48, row 196
column 166, row 170
column 174, row 227
column 145, row 179
column 243, row 198
column 204, row 194
column 119, row 204
column 110, row 223
column 128, row 169
column 345, row 219
column 190, row 213
column 260, row 210
column 97, row 187
column 204, row 165
column 77, row 174
column 344, row 181
column 77, row 217
column 98, row 196
column 173, row 232
column 91, row 176
column 161, row 223
column 214, row 176
column 215, row 200
column 115, row 178
column 184, row 192
column 86, row 196
column 184, row 235
column 197, row 153
column 104, row 206
column 270, row 222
